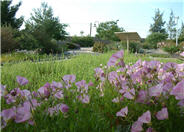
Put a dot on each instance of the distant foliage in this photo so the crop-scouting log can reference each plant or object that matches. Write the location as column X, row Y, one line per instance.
column 44, row 27
column 133, row 46
column 84, row 41
column 181, row 35
column 106, row 30
column 181, row 46
column 154, row 38
column 27, row 41
column 8, row 40
column 158, row 25
column 8, row 13
column 99, row 47
column 171, row 26
column 170, row 47
column 71, row 45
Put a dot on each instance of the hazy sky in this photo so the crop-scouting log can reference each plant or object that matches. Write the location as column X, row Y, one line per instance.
column 133, row 15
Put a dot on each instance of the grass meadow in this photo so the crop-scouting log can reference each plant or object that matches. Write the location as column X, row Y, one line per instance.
column 82, row 66
column 98, row 115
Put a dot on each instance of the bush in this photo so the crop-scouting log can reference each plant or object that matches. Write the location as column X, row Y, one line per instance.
column 99, row 47
column 170, row 47
column 83, row 41
column 181, row 46
column 133, row 46
column 113, row 46
column 58, row 48
column 154, row 38
column 8, row 40
column 146, row 46
column 27, row 41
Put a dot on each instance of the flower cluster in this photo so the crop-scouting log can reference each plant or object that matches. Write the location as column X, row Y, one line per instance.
column 23, row 103
column 145, row 82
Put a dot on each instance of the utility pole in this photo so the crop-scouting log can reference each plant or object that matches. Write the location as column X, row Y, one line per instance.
column 176, row 21
column 90, row 29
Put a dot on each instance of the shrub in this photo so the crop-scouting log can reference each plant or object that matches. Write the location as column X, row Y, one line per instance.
column 99, row 47
column 27, row 41
column 58, row 48
column 8, row 40
column 146, row 46
column 170, row 47
column 113, row 46
column 154, row 38
column 133, row 46
column 181, row 46
column 86, row 41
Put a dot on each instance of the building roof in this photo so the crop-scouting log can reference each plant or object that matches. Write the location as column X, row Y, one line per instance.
column 128, row 35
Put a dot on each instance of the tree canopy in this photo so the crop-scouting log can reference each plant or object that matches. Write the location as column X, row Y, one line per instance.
column 8, row 13
column 171, row 26
column 158, row 24
column 45, row 27
column 43, row 20
column 106, row 30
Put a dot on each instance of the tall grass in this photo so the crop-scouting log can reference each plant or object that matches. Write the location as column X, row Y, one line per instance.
column 82, row 66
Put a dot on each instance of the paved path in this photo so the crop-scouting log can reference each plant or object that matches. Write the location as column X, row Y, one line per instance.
column 88, row 50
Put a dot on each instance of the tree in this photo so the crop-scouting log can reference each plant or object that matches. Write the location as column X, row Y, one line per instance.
column 181, row 35
column 171, row 26
column 8, row 13
column 158, row 25
column 44, row 19
column 154, row 38
column 45, row 27
column 106, row 30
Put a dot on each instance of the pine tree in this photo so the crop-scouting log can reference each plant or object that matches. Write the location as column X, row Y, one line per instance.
column 171, row 26
column 8, row 13
column 158, row 25
column 43, row 19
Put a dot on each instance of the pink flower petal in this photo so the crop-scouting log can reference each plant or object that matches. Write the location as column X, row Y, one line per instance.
column 59, row 95
column 137, row 127
column 22, row 81
column 142, row 96
column 123, row 112
column 156, row 90
column 56, row 85
column 178, row 90
column 163, row 114
column 8, row 114
column 22, row 115
column 145, row 118
column 128, row 95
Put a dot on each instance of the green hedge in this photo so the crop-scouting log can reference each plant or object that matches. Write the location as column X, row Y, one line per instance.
column 85, row 41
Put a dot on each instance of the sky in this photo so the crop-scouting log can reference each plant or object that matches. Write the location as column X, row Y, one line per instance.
column 133, row 15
